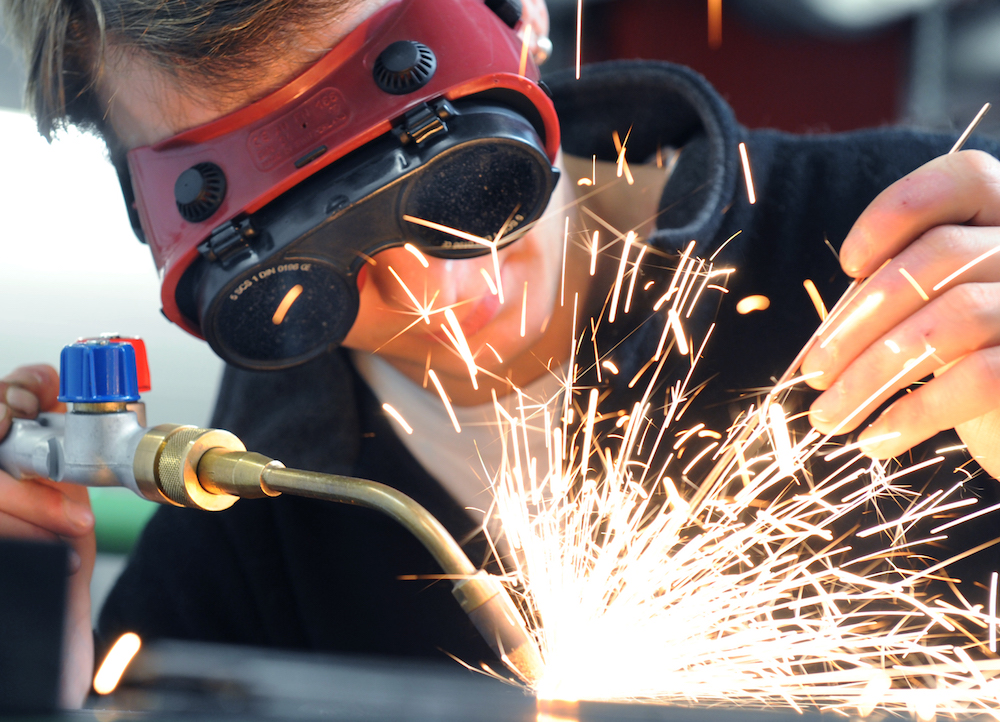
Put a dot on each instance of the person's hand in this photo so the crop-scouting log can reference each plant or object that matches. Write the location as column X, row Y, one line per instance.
column 43, row 510
column 920, row 314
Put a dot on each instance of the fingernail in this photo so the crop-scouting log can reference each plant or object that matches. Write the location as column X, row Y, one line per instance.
column 79, row 516
column 853, row 254
column 75, row 562
column 872, row 438
column 827, row 407
column 22, row 401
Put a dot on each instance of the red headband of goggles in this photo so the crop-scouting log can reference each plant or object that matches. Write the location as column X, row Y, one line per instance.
column 343, row 102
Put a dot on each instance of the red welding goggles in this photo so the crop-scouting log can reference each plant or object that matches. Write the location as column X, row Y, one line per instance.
column 260, row 221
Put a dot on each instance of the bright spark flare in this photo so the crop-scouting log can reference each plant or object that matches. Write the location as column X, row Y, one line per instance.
column 753, row 303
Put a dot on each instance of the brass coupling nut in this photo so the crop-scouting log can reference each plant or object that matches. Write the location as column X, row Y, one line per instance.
column 166, row 465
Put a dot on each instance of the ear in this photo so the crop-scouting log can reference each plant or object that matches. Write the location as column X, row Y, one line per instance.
column 535, row 14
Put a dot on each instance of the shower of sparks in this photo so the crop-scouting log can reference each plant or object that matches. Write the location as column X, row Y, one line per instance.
column 417, row 254
column 286, row 303
column 751, row 193
column 726, row 565
column 387, row 408
column 752, row 303
column 594, row 246
column 445, row 400
column 816, row 299
column 715, row 24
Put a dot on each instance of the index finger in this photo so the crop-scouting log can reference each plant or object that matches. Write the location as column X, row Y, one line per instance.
column 41, row 380
column 956, row 189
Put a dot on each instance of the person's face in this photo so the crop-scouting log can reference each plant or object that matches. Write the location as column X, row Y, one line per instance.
column 146, row 106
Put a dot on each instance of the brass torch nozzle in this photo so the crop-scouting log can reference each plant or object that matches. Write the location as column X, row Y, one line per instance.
column 210, row 469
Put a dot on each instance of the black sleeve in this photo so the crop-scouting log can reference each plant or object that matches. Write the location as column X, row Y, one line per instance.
column 215, row 577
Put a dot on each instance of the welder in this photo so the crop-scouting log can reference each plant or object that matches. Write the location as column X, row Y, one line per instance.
column 299, row 168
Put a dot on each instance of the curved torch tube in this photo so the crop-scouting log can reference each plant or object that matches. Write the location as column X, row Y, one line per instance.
column 481, row 595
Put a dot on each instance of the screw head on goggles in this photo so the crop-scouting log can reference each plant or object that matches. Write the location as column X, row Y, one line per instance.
column 424, row 125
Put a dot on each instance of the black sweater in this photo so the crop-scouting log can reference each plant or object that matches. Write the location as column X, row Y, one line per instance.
column 296, row 573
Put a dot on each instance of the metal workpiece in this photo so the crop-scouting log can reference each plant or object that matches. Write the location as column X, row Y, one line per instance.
column 90, row 449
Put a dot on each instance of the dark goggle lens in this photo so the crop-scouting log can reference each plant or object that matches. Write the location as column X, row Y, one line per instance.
column 477, row 190
column 281, row 314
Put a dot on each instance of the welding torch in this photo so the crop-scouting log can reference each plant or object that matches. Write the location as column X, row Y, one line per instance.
column 102, row 441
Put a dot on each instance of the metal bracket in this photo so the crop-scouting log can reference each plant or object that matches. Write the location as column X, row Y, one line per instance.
column 425, row 121
column 227, row 240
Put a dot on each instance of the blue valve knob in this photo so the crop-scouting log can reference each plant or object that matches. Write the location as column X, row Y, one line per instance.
column 97, row 372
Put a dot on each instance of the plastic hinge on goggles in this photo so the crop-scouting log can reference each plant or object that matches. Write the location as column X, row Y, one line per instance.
column 421, row 112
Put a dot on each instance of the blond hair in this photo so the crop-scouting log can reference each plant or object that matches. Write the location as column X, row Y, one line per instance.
column 208, row 43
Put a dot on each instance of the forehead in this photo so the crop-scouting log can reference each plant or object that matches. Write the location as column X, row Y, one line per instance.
column 146, row 103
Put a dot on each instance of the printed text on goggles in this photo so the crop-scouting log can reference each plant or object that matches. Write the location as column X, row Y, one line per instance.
column 261, row 220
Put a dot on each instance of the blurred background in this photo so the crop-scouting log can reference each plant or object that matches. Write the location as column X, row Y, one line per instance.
column 70, row 266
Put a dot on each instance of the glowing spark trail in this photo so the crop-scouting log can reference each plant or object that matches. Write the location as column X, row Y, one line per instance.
column 417, row 254
column 579, row 35
column 457, row 338
column 524, row 308
column 444, row 398
column 715, row 24
column 751, row 193
column 489, row 281
column 913, row 282
column 974, row 262
column 613, row 311
column 398, row 417
column 816, row 299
